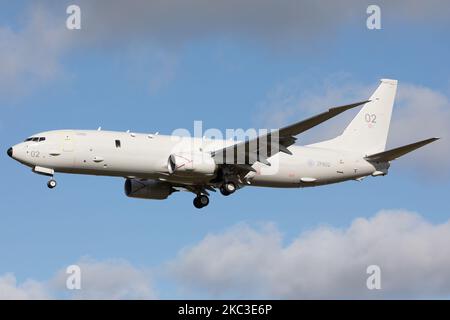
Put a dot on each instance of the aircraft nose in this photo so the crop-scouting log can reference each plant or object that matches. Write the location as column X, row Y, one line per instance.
column 10, row 152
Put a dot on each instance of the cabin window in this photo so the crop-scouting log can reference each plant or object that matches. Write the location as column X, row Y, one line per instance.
column 117, row 143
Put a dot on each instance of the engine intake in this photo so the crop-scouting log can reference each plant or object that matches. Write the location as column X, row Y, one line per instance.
column 148, row 189
column 191, row 163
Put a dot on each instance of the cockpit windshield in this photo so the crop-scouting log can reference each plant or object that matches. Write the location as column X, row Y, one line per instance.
column 35, row 139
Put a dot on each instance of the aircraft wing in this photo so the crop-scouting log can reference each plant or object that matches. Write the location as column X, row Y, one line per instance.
column 244, row 154
column 393, row 154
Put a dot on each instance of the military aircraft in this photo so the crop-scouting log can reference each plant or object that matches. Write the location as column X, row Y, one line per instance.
column 155, row 166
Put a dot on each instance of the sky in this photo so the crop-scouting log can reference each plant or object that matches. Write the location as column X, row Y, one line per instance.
column 157, row 66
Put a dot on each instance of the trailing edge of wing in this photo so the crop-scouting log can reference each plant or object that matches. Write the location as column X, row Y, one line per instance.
column 393, row 154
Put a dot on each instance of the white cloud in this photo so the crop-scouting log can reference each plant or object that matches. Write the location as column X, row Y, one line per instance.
column 109, row 279
column 326, row 262
column 30, row 55
column 419, row 113
column 28, row 290
column 248, row 262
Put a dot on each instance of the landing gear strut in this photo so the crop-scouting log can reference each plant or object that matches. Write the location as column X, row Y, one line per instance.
column 227, row 188
column 201, row 201
column 51, row 183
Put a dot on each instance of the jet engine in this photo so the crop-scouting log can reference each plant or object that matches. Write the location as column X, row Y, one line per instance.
column 148, row 189
column 191, row 163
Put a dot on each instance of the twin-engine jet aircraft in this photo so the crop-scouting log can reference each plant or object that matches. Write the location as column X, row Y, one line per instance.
column 154, row 166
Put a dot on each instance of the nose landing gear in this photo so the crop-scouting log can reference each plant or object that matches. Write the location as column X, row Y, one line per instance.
column 51, row 183
column 201, row 201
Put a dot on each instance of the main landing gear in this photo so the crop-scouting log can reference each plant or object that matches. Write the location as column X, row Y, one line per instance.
column 51, row 183
column 227, row 188
column 201, row 201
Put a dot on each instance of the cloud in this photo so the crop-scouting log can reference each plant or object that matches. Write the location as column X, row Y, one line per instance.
column 419, row 113
column 30, row 55
column 172, row 23
column 326, row 262
column 175, row 22
column 28, row 290
column 258, row 262
column 109, row 279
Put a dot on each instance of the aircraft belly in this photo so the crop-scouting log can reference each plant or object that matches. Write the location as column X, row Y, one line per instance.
column 308, row 167
column 279, row 175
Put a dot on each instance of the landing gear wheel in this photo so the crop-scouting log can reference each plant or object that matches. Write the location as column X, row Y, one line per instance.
column 201, row 201
column 223, row 191
column 51, row 183
column 228, row 188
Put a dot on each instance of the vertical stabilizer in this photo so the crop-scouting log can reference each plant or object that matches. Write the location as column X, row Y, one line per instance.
column 368, row 131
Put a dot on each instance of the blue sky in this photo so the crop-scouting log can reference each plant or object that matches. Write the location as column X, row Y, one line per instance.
column 228, row 76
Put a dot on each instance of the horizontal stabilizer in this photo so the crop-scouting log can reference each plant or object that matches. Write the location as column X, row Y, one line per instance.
column 392, row 154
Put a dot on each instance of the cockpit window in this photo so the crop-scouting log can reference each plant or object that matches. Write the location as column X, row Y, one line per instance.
column 35, row 139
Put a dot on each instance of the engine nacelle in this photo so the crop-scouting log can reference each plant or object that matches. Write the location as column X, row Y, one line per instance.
column 191, row 163
column 147, row 189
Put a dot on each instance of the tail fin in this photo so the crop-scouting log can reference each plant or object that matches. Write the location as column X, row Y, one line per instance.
column 368, row 131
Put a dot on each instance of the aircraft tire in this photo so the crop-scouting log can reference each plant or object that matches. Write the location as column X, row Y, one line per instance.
column 51, row 184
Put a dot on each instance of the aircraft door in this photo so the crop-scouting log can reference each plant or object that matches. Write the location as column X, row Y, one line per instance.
column 67, row 158
column 68, row 143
